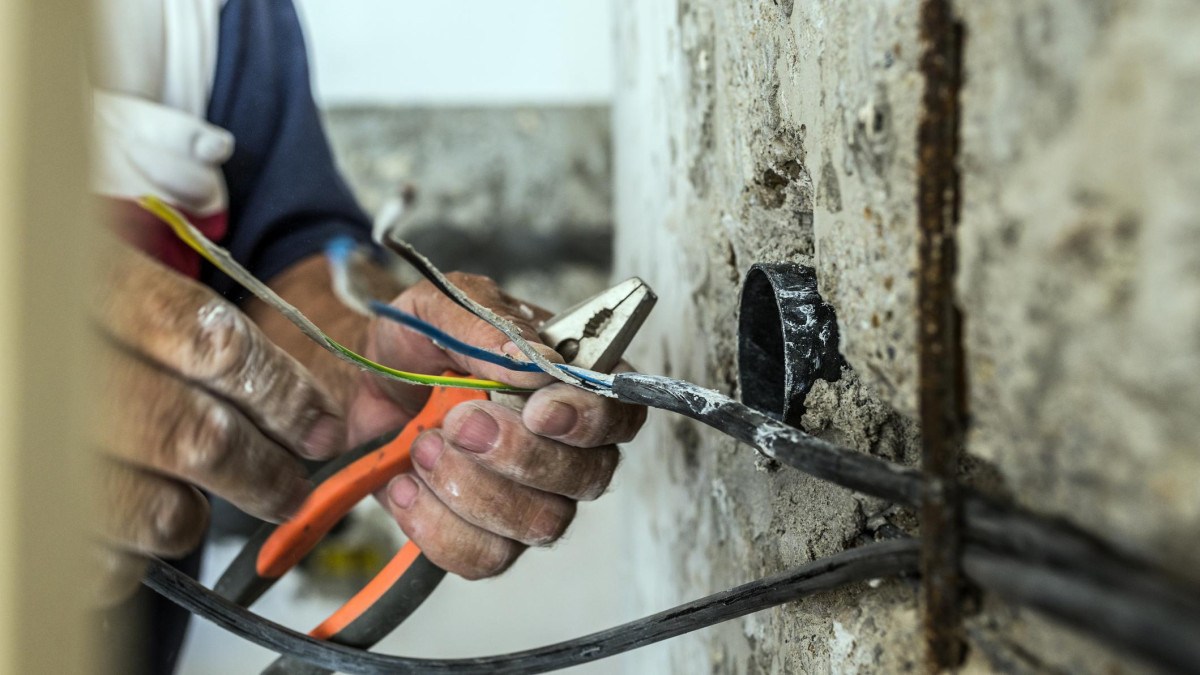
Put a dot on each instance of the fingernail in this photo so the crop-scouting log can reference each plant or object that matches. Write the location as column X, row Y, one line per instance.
column 556, row 419
column 325, row 437
column 478, row 432
column 403, row 491
column 427, row 450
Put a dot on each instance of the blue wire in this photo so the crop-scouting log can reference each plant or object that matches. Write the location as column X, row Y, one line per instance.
column 452, row 343
column 338, row 251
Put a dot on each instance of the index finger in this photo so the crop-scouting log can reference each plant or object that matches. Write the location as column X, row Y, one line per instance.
column 189, row 330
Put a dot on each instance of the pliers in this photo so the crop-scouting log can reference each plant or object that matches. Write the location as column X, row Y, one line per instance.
column 592, row 335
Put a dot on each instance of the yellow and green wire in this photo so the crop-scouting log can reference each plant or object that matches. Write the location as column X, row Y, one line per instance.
column 222, row 260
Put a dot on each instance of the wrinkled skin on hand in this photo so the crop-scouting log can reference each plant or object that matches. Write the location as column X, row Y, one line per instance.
column 196, row 396
column 202, row 395
column 493, row 481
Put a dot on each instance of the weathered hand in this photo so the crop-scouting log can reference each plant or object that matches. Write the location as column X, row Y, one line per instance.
column 196, row 398
column 492, row 481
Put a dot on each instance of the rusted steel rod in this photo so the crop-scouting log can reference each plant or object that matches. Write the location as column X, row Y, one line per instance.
column 940, row 359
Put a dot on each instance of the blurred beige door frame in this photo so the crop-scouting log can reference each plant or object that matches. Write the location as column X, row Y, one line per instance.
column 45, row 238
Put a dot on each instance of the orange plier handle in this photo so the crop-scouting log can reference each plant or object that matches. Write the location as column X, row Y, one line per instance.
column 403, row 583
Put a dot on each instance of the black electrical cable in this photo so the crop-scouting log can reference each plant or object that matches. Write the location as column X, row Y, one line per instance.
column 1113, row 593
column 1165, row 634
column 873, row 561
column 1057, row 544
column 999, row 526
column 775, row 439
column 1033, row 560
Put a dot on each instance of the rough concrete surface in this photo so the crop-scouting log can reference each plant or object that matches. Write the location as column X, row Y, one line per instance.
column 757, row 131
column 768, row 130
column 531, row 186
column 1081, row 270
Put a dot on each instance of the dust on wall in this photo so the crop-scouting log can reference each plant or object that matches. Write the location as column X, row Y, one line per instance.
column 772, row 130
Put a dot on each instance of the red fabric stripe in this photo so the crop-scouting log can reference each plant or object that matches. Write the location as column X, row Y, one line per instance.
column 145, row 231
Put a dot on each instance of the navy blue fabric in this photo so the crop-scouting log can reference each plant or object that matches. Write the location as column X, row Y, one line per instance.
column 286, row 197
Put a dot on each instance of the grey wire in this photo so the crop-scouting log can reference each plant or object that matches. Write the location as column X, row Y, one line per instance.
column 439, row 280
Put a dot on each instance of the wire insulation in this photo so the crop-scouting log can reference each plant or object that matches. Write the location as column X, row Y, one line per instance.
column 439, row 280
column 222, row 260
column 343, row 255
column 873, row 561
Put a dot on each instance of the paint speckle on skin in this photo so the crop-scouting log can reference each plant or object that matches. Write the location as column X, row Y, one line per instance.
column 212, row 313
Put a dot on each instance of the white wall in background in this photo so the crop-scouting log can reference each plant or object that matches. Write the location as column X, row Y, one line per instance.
column 462, row 52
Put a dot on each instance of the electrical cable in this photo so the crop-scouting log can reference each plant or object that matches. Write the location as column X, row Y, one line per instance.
column 1036, row 561
column 439, row 280
column 873, row 561
column 223, row 261
column 1163, row 633
column 1036, row 538
column 343, row 253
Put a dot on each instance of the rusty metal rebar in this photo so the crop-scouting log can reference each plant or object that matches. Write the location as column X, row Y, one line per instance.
column 940, row 357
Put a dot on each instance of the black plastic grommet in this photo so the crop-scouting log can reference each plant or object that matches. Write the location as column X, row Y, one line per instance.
column 787, row 339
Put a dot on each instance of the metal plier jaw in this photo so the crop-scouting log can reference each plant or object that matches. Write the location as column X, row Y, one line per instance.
column 595, row 333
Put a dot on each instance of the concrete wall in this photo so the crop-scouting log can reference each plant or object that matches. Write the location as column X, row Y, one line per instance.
column 766, row 130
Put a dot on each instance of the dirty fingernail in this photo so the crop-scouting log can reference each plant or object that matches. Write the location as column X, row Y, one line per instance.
column 326, row 437
column 478, row 432
column 403, row 491
column 556, row 419
column 427, row 450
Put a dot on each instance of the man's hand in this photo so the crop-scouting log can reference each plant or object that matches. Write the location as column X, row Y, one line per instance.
column 202, row 396
column 197, row 398
column 492, row 481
